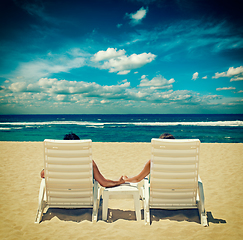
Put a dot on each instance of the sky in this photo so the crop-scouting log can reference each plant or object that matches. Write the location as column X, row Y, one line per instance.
column 121, row 57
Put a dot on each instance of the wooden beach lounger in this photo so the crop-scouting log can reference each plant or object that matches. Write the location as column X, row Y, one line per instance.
column 174, row 181
column 68, row 181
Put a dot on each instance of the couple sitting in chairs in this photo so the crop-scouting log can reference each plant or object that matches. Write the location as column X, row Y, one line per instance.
column 174, row 182
column 111, row 183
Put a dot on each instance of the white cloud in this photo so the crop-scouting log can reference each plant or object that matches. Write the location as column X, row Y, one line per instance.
column 124, row 72
column 33, row 88
column 63, row 91
column 181, row 95
column 195, row 76
column 42, row 68
column 158, row 82
column 212, row 97
column 236, row 79
column 218, row 75
column 47, row 82
column 137, row 17
column 76, row 52
column 62, row 98
column 61, row 88
column 104, row 101
column 205, row 77
column 124, row 64
column 225, row 88
column 234, row 71
column 18, row 87
column 41, row 96
column 108, row 54
column 230, row 73
column 116, row 60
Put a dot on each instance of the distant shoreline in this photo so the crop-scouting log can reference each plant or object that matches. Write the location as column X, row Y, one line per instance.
column 209, row 128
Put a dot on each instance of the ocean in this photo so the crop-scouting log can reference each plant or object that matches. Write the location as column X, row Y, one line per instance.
column 209, row 128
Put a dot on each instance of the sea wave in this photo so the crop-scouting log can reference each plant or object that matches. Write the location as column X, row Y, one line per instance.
column 4, row 129
column 85, row 123
column 217, row 123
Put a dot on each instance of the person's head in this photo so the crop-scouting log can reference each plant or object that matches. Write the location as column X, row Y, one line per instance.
column 71, row 136
column 166, row 136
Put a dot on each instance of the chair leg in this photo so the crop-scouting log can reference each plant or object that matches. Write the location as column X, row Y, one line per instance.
column 96, row 202
column 146, row 216
column 204, row 221
column 41, row 204
column 146, row 211
column 105, row 205
column 39, row 215
column 201, row 206
column 137, row 206
column 94, row 215
column 146, row 202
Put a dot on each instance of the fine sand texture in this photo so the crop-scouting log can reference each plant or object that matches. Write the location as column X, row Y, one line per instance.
column 221, row 168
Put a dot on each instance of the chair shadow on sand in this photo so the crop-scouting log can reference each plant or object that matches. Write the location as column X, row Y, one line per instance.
column 79, row 215
column 214, row 220
column 190, row 215
column 82, row 214
column 74, row 215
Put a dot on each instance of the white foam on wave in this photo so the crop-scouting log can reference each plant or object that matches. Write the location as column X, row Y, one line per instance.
column 4, row 129
column 49, row 123
column 217, row 123
column 212, row 124
column 96, row 126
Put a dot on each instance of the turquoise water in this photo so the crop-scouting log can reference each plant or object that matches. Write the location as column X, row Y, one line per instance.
column 209, row 128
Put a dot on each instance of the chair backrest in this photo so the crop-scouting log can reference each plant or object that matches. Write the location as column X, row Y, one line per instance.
column 68, row 172
column 174, row 173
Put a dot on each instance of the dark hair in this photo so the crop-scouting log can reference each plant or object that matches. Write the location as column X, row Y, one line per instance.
column 71, row 136
column 166, row 136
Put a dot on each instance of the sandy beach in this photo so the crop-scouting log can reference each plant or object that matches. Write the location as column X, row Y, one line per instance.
column 221, row 167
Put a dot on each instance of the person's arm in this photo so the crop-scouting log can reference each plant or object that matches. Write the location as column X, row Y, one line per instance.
column 103, row 181
column 99, row 178
column 141, row 175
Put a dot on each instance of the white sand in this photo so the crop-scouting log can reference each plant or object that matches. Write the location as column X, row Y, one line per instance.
column 221, row 167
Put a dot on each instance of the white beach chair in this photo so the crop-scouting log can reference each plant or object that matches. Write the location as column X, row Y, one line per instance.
column 68, row 181
column 174, row 180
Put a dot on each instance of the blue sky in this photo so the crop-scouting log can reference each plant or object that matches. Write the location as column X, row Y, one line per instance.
column 124, row 56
